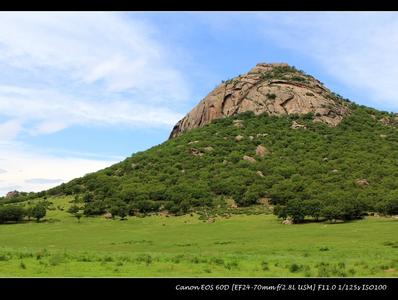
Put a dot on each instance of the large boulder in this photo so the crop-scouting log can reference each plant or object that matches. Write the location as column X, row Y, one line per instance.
column 238, row 123
column 362, row 182
column 249, row 159
column 208, row 149
column 296, row 125
column 261, row 151
column 108, row 216
column 238, row 138
column 195, row 152
column 287, row 222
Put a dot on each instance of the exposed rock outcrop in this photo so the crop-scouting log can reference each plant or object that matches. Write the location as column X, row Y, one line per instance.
column 287, row 222
column 108, row 216
column 238, row 138
column 249, row 159
column 208, row 149
column 259, row 173
column 261, row 151
column 195, row 152
column 296, row 125
column 362, row 182
column 276, row 89
column 238, row 123
column 12, row 194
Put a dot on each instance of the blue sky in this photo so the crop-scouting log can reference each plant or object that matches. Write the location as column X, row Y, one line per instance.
column 80, row 91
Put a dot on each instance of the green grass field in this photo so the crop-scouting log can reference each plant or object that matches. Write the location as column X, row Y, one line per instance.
column 160, row 246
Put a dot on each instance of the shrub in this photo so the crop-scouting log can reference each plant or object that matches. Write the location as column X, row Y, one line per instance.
column 146, row 206
column 4, row 257
column 293, row 268
column 146, row 258
column 56, row 259
column 73, row 209
column 94, row 208
column 22, row 265
column 280, row 211
column 231, row 265
column 11, row 214
column 388, row 206
column 217, row 261
column 264, row 266
column 271, row 96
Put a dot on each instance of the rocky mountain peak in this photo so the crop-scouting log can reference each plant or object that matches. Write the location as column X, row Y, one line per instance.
column 276, row 89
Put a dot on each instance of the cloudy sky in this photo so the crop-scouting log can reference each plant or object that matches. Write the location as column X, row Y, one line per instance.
column 81, row 91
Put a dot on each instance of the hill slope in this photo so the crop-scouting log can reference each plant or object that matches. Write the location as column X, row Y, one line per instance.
column 262, row 157
column 319, row 156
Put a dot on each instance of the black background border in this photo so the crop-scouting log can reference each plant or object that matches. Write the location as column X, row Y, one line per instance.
column 198, row 5
column 167, row 286
column 114, row 287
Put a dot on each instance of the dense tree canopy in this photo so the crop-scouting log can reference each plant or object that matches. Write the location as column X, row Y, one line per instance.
column 335, row 173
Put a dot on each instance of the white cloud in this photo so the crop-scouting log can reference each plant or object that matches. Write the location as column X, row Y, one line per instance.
column 43, row 181
column 358, row 49
column 84, row 68
column 29, row 170
column 10, row 129
column 42, row 114
column 89, row 46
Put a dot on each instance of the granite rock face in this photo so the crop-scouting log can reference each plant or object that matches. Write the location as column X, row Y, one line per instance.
column 276, row 89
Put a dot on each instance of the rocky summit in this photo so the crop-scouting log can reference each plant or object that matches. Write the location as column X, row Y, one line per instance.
column 275, row 89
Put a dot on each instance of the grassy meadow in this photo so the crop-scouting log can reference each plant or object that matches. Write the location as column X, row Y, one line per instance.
column 160, row 246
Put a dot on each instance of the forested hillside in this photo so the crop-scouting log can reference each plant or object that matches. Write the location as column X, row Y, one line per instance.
column 244, row 144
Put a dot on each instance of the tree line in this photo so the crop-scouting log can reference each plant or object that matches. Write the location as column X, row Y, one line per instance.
column 16, row 214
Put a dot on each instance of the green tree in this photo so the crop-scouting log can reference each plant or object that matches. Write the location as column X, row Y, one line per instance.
column 119, row 209
column 73, row 209
column 39, row 211
column 78, row 216
column 94, row 208
column 29, row 212
column 184, row 206
column 331, row 213
column 114, row 210
column 387, row 207
column 252, row 195
column 11, row 214
column 88, row 197
column 296, row 210
column 313, row 208
column 280, row 211
column 123, row 211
